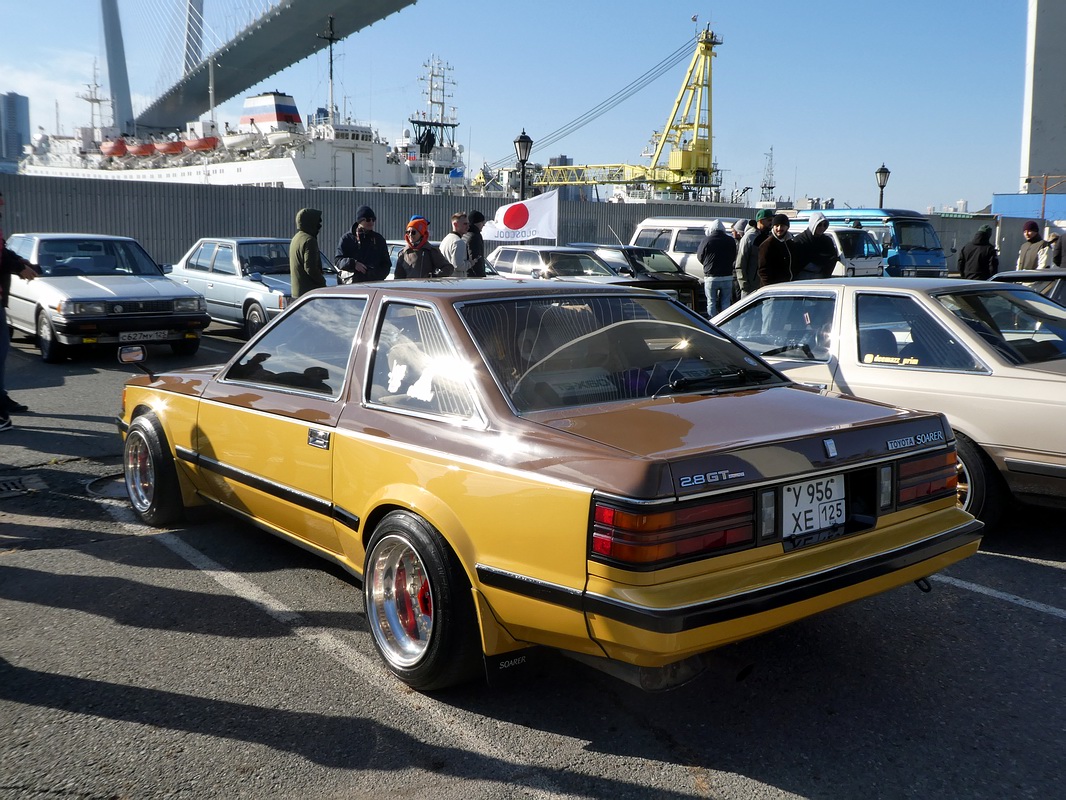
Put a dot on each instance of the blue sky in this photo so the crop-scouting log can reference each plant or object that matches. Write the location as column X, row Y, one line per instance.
column 932, row 89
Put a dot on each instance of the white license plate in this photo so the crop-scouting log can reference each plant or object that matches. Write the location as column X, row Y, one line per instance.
column 813, row 505
column 142, row 336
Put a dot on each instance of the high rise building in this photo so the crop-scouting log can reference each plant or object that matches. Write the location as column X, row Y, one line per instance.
column 14, row 129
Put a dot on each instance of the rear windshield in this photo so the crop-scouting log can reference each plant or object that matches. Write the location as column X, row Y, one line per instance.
column 550, row 353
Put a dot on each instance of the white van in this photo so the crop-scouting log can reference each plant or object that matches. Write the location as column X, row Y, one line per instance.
column 860, row 252
column 678, row 236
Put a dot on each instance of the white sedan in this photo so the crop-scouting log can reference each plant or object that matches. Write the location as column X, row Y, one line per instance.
column 990, row 356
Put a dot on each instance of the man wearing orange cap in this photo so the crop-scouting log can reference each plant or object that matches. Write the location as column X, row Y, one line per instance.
column 420, row 259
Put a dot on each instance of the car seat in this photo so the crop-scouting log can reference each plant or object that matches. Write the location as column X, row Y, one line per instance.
column 877, row 342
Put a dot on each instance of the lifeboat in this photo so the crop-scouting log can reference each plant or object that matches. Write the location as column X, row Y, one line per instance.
column 202, row 144
column 115, row 148
column 281, row 137
column 169, row 148
column 239, row 141
column 141, row 149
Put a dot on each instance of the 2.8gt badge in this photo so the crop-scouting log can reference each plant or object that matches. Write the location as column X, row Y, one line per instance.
column 708, row 478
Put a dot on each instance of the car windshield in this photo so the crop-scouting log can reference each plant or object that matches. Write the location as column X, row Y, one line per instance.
column 98, row 257
column 858, row 244
column 1022, row 326
column 549, row 353
column 916, row 235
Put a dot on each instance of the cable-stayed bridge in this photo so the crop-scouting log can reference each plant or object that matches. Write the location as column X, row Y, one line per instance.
column 250, row 41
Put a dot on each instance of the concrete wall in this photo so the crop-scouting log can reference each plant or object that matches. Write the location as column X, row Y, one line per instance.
column 1044, row 114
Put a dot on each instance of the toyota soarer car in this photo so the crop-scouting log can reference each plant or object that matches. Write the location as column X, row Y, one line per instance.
column 594, row 469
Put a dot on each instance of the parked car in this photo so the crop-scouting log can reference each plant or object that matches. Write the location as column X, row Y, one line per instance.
column 678, row 236
column 990, row 356
column 581, row 263
column 244, row 279
column 506, row 464
column 1050, row 282
column 97, row 289
column 651, row 265
column 859, row 253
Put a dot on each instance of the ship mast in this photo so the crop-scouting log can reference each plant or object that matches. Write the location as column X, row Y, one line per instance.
column 93, row 98
column 331, row 38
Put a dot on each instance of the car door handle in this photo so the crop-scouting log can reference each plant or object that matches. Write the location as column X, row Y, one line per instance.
column 318, row 438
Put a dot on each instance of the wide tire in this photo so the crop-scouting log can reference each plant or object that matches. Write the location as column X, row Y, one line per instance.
column 419, row 605
column 151, row 477
column 52, row 351
column 254, row 319
column 981, row 489
column 186, row 347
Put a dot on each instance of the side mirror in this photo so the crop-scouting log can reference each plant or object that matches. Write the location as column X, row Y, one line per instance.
column 135, row 354
column 167, row 268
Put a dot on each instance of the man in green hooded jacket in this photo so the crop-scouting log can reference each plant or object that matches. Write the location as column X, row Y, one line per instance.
column 305, row 263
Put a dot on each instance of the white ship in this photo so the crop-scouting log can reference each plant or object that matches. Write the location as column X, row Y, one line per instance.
column 270, row 147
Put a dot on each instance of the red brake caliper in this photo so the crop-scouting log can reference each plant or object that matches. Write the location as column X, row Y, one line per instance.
column 403, row 602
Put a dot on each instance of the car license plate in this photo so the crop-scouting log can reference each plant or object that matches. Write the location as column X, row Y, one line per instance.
column 813, row 505
column 141, row 336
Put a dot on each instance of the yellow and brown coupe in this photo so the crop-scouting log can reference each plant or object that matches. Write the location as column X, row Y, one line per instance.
column 594, row 469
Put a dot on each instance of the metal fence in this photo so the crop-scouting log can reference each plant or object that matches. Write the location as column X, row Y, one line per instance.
column 167, row 218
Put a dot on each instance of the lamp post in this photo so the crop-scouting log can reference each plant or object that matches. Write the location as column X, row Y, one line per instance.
column 882, row 174
column 522, row 145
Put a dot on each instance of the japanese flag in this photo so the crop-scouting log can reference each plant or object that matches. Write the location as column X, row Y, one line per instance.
column 536, row 218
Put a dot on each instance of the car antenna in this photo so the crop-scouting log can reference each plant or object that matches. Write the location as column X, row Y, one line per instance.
column 615, row 235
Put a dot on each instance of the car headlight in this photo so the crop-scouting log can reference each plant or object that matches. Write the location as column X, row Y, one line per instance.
column 189, row 304
column 72, row 308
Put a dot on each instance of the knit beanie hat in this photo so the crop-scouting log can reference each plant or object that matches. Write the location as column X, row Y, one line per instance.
column 417, row 224
column 782, row 219
column 475, row 217
column 365, row 212
column 1031, row 226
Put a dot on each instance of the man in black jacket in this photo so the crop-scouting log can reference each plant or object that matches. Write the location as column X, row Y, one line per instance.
column 363, row 253
column 475, row 244
column 10, row 264
column 977, row 259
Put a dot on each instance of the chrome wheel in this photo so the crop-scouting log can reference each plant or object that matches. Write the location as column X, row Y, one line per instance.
column 400, row 601
column 139, row 471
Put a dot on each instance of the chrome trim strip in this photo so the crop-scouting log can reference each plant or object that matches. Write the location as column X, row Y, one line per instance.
column 1035, row 468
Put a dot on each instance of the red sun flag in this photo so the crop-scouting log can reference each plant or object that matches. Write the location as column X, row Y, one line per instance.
column 516, row 216
column 535, row 218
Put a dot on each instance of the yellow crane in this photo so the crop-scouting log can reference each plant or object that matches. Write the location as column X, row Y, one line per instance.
column 682, row 162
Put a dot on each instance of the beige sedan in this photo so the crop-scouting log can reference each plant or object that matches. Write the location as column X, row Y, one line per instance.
column 992, row 357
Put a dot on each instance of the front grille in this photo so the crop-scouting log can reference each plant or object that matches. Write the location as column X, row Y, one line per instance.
column 140, row 307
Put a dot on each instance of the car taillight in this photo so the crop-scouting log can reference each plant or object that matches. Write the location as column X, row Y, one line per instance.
column 664, row 538
column 927, row 477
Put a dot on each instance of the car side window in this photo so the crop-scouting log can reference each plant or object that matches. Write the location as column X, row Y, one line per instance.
column 307, row 350
column 525, row 262
column 224, row 260
column 786, row 327
column 504, row 262
column 650, row 237
column 688, row 240
column 415, row 367
column 21, row 246
column 896, row 331
column 201, row 259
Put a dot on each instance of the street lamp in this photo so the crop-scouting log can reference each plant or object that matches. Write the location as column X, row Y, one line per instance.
column 882, row 180
column 522, row 145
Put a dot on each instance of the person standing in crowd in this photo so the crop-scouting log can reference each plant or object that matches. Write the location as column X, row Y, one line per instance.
column 777, row 263
column 10, row 264
column 717, row 253
column 1034, row 252
column 746, row 268
column 816, row 255
column 977, row 259
column 1056, row 250
column 475, row 244
column 453, row 246
column 363, row 253
column 420, row 259
column 305, row 260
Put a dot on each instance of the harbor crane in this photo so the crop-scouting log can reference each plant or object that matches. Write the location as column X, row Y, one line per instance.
column 682, row 162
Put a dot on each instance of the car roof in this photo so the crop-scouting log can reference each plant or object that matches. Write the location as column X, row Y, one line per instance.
column 1030, row 274
column 888, row 284
column 244, row 239
column 546, row 248
column 462, row 289
column 88, row 236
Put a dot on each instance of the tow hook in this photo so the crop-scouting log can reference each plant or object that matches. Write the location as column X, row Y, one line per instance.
column 923, row 584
